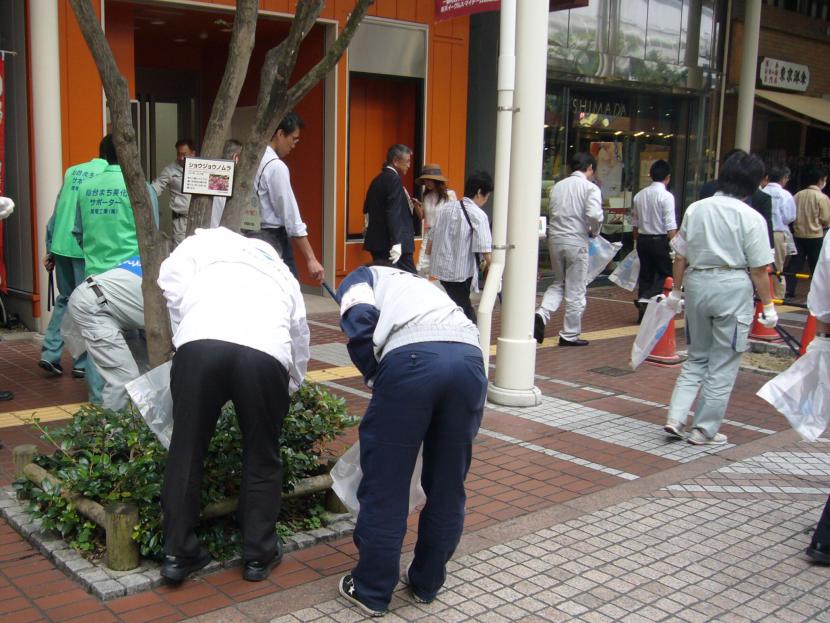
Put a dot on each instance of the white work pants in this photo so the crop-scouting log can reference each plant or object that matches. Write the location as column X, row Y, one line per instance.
column 102, row 322
column 570, row 267
column 719, row 313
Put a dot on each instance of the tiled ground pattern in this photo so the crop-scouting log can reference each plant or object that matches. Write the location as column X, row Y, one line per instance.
column 593, row 432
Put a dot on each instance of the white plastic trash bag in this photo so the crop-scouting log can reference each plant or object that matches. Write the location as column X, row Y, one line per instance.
column 346, row 476
column 600, row 252
column 151, row 394
column 72, row 338
column 627, row 272
column 654, row 324
column 802, row 393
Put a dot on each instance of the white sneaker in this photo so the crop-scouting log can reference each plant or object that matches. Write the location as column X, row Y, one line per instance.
column 675, row 428
column 698, row 438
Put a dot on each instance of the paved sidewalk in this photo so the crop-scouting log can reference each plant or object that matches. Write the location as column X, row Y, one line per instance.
column 579, row 509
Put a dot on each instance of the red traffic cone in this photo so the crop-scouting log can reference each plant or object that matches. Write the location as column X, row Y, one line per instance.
column 808, row 334
column 664, row 353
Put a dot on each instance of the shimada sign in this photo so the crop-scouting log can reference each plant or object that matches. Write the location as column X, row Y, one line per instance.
column 448, row 9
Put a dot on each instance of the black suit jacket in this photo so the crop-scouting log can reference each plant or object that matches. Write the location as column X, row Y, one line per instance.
column 760, row 201
column 390, row 220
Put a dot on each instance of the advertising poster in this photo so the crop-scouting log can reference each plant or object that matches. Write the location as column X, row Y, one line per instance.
column 609, row 172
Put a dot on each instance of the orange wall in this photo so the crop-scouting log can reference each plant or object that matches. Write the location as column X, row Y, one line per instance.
column 446, row 95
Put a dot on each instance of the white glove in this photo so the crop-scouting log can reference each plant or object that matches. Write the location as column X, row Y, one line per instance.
column 395, row 253
column 674, row 301
column 768, row 317
column 6, row 207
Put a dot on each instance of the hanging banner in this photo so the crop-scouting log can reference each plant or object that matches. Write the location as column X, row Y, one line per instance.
column 3, row 288
column 448, row 9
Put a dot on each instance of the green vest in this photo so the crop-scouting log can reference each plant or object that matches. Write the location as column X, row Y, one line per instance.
column 63, row 242
column 107, row 221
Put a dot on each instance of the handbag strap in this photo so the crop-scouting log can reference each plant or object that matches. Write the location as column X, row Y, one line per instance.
column 472, row 229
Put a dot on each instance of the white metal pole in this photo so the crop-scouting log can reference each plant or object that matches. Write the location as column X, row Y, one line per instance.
column 749, row 68
column 516, row 356
column 504, row 127
column 46, row 122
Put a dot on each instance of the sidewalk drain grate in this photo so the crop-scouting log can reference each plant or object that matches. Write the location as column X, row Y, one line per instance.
column 611, row 371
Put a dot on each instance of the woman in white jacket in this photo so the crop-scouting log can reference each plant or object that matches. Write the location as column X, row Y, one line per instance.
column 435, row 196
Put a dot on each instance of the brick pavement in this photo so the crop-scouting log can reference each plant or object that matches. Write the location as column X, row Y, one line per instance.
column 535, row 472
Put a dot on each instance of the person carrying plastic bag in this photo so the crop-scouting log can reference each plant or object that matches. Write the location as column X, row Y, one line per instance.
column 802, row 393
column 722, row 250
column 421, row 356
column 575, row 216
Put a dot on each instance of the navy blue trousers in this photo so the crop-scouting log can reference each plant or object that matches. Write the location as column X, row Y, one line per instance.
column 431, row 393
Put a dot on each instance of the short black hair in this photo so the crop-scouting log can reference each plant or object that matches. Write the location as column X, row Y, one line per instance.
column 813, row 174
column 106, row 150
column 478, row 182
column 778, row 172
column 581, row 160
column 186, row 141
column 660, row 170
column 396, row 152
column 741, row 174
column 291, row 122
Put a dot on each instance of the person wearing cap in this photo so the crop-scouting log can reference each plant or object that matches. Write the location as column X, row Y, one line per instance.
column 722, row 250
column 422, row 358
column 436, row 195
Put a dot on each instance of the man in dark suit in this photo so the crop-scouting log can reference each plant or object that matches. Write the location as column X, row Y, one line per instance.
column 759, row 201
column 389, row 214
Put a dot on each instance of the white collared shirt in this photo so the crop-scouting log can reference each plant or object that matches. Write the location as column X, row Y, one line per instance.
column 276, row 199
column 223, row 286
column 575, row 210
column 653, row 211
column 783, row 206
column 818, row 300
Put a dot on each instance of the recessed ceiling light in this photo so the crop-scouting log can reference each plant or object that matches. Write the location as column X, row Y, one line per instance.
column 158, row 22
column 180, row 40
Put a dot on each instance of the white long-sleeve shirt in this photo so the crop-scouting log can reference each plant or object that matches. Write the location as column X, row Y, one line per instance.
column 783, row 206
column 818, row 300
column 222, row 286
column 575, row 210
column 278, row 205
column 653, row 212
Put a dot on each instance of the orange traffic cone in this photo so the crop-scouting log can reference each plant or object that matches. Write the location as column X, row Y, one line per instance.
column 808, row 334
column 758, row 331
column 664, row 353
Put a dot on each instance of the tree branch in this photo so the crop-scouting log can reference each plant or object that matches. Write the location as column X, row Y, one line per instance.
column 152, row 245
column 236, row 69
column 318, row 72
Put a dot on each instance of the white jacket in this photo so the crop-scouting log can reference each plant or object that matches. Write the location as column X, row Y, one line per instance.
column 222, row 286
column 575, row 210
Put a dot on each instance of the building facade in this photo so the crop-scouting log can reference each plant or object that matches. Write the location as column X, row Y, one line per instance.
column 391, row 86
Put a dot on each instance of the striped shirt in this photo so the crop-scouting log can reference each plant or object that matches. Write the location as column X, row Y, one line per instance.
column 453, row 244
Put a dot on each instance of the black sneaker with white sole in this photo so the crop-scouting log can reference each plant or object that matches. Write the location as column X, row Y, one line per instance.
column 349, row 592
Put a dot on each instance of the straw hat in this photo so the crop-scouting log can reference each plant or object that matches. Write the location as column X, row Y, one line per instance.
column 431, row 172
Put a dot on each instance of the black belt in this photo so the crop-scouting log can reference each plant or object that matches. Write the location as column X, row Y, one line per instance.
column 96, row 289
column 653, row 235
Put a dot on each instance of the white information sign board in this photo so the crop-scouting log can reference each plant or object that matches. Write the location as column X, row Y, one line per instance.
column 207, row 176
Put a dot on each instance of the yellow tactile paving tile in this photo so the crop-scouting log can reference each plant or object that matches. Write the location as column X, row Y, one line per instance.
column 44, row 414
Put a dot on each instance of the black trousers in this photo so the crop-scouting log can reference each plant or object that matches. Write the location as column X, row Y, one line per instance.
column 278, row 238
column 406, row 262
column 808, row 249
column 205, row 375
column 655, row 264
column 459, row 292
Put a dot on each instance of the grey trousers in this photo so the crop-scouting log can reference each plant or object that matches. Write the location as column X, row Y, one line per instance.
column 106, row 323
column 570, row 267
column 719, row 313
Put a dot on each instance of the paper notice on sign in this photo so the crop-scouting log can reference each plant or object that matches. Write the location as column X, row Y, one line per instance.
column 206, row 176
